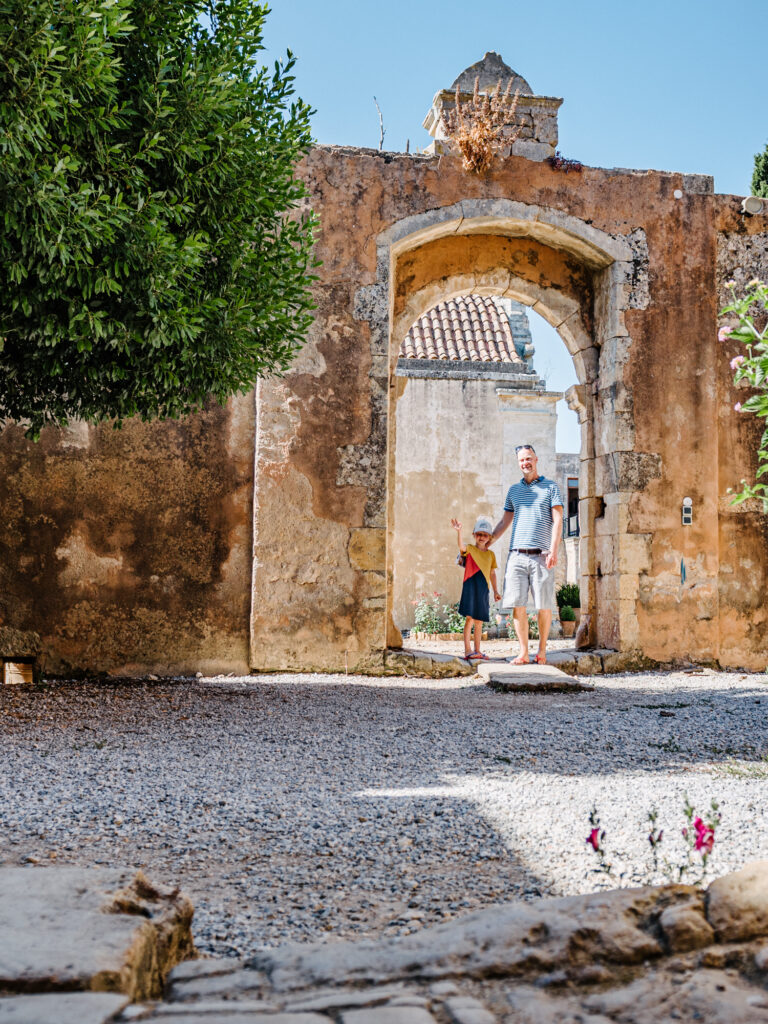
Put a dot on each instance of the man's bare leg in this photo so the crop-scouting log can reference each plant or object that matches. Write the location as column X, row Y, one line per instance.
column 545, row 621
column 520, row 619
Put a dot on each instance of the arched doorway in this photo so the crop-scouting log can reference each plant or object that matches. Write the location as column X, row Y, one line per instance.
column 470, row 388
column 579, row 279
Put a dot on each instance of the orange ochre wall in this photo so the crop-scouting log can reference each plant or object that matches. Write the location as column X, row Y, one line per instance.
column 256, row 535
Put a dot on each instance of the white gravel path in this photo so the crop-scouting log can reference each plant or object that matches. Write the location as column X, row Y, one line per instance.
column 294, row 807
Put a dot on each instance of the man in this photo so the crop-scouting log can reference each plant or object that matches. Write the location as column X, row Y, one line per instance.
column 535, row 509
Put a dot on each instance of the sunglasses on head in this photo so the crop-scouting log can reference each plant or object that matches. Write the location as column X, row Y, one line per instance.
column 521, row 447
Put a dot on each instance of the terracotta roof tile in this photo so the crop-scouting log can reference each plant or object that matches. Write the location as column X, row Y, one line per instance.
column 470, row 328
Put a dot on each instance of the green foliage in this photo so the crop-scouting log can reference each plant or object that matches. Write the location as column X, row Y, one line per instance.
column 151, row 253
column 750, row 368
column 567, row 614
column 568, row 594
column 760, row 174
column 454, row 623
column 426, row 614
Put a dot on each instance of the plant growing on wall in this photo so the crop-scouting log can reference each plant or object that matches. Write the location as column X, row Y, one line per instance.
column 749, row 328
column 760, row 174
column 476, row 127
column 151, row 253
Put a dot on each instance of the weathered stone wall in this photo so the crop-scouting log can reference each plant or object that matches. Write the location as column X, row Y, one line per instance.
column 624, row 265
column 129, row 550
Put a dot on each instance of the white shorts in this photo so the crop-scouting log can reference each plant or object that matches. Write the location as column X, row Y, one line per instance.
column 524, row 574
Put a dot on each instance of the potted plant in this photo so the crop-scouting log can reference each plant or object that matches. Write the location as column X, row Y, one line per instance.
column 568, row 595
column 568, row 620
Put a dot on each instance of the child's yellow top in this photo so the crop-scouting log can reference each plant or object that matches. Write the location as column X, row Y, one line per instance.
column 484, row 560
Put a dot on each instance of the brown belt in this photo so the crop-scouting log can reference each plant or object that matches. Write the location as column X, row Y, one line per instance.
column 527, row 551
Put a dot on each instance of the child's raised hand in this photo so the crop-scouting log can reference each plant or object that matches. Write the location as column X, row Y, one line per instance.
column 456, row 525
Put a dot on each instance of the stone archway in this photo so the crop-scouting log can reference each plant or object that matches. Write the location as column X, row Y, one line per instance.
column 582, row 281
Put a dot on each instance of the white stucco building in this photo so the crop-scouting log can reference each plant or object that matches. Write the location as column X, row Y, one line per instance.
column 468, row 394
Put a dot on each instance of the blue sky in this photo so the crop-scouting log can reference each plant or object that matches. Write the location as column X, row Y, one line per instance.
column 672, row 85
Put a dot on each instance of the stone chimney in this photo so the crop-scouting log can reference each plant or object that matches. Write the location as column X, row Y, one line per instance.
column 535, row 115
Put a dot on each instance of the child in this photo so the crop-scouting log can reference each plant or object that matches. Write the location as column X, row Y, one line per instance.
column 479, row 571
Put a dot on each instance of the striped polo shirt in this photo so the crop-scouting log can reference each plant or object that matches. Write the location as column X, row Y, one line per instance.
column 532, row 504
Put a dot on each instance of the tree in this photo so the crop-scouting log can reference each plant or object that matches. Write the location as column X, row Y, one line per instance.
column 760, row 174
column 152, row 252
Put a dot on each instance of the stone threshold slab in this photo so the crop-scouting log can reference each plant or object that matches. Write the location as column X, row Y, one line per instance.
column 508, row 678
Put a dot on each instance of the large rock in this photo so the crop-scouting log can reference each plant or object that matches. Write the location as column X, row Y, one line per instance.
column 518, row 939
column 737, row 904
column 712, row 997
column 642, row 956
column 685, row 928
column 74, row 928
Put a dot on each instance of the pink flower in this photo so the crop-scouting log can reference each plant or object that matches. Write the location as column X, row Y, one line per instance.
column 737, row 407
column 435, row 593
column 594, row 839
column 498, row 619
column 737, row 361
column 724, row 333
column 705, row 836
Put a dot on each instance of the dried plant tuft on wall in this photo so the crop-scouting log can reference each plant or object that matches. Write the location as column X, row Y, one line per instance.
column 476, row 128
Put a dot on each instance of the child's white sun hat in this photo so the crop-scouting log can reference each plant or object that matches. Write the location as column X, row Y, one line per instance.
column 483, row 525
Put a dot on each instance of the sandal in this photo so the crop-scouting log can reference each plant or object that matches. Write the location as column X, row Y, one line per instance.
column 473, row 656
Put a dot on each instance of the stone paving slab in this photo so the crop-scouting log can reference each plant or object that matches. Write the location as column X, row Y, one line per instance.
column 62, row 1008
column 508, row 678
column 388, row 1015
column 238, row 981
column 238, row 1015
column 76, row 928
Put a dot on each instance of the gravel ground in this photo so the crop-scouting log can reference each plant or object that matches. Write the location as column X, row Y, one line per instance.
column 297, row 807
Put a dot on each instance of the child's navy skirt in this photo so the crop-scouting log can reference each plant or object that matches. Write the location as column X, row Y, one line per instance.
column 474, row 598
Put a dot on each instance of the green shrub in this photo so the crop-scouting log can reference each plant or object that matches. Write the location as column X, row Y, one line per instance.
column 426, row 614
column 567, row 614
column 454, row 623
column 568, row 594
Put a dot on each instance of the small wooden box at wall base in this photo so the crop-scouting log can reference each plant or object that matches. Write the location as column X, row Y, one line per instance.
column 17, row 673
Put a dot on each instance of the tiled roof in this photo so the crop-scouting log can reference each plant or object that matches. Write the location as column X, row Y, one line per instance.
column 471, row 329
